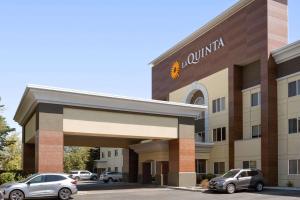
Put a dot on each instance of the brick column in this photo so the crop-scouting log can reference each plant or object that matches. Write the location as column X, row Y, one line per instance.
column 182, row 155
column 235, row 109
column 49, row 151
column 269, row 131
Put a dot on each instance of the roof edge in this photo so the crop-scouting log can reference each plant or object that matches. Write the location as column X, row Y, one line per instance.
column 287, row 52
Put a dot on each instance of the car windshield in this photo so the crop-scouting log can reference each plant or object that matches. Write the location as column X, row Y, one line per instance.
column 28, row 178
column 231, row 173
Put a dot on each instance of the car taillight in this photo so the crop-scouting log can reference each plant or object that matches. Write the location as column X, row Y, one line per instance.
column 74, row 182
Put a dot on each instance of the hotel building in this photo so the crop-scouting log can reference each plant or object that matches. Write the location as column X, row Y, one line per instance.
column 227, row 96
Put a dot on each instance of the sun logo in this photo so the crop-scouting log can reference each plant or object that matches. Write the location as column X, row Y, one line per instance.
column 175, row 70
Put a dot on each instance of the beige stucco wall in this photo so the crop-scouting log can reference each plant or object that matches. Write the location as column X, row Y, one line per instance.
column 217, row 87
column 251, row 115
column 247, row 150
column 152, row 157
column 288, row 144
column 30, row 129
column 116, row 124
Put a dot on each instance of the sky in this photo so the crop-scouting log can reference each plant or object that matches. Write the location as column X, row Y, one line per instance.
column 96, row 45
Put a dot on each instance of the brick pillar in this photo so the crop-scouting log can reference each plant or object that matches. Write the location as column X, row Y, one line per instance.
column 235, row 109
column 49, row 151
column 269, row 131
column 182, row 155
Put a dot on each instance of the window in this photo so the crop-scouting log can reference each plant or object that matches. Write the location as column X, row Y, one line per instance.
column 116, row 169
column 249, row 164
column 219, row 134
column 256, row 131
column 255, row 99
column 294, row 167
column 219, row 167
column 201, row 166
column 109, row 169
column 253, row 173
column 116, row 152
column 243, row 174
column 53, row 178
column 102, row 154
column 109, row 154
column 38, row 179
column 218, row 105
column 84, row 173
column 298, row 85
column 292, row 88
column 293, row 125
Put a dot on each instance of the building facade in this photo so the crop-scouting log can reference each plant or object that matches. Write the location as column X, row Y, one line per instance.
column 111, row 160
column 241, row 67
column 227, row 96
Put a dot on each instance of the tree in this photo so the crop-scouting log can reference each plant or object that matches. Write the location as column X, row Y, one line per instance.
column 94, row 154
column 4, row 131
column 75, row 158
column 12, row 153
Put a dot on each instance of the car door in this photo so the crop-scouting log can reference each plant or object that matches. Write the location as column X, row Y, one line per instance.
column 83, row 175
column 54, row 184
column 243, row 180
column 36, row 186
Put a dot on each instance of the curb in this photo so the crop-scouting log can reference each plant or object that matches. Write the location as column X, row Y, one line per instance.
column 283, row 188
column 191, row 189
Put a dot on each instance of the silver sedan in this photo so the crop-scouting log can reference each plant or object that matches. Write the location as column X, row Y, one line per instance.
column 41, row 185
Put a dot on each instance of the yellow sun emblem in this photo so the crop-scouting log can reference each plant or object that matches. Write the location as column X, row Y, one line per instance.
column 175, row 70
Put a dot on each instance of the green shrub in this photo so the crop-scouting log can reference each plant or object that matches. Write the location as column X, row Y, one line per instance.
column 7, row 177
column 290, row 184
column 209, row 176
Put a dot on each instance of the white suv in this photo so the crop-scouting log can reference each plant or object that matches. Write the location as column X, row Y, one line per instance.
column 111, row 177
column 83, row 175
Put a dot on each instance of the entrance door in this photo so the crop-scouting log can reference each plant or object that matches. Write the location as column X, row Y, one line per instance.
column 147, row 178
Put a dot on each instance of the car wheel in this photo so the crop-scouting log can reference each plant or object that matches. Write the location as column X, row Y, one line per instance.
column 230, row 188
column 64, row 194
column 259, row 187
column 16, row 195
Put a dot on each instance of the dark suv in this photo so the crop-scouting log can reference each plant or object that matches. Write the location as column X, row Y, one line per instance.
column 238, row 179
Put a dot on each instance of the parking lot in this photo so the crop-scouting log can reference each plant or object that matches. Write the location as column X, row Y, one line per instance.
column 163, row 193
column 116, row 191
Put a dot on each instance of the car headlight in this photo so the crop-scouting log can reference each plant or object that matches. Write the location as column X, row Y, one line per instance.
column 220, row 182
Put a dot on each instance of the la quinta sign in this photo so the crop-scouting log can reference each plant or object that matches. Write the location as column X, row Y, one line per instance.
column 195, row 57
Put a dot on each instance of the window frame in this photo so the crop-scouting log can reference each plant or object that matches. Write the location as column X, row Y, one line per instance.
column 222, row 131
column 297, row 167
column 291, row 93
column 295, row 129
column 258, row 126
column 218, row 166
column 218, row 105
column 258, row 99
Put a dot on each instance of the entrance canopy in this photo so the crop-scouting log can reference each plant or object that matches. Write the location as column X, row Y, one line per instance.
column 85, row 117
column 53, row 118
